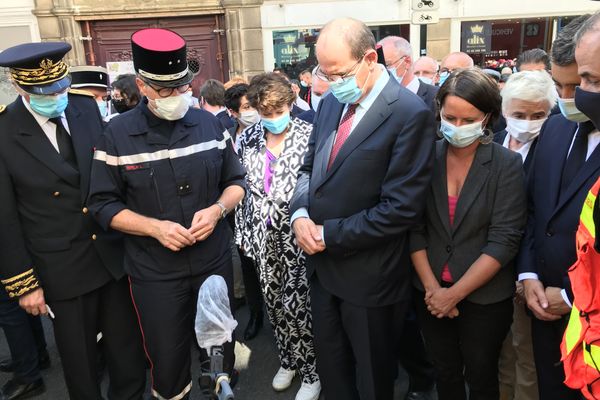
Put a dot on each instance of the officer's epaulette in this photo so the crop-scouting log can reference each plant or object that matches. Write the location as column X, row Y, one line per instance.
column 2, row 108
column 81, row 92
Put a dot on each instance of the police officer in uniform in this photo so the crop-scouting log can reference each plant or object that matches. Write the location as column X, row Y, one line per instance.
column 167, row 174
column 92, row 79
column 55, row 256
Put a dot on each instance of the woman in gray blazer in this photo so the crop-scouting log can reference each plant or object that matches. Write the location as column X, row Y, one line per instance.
column 463, row 250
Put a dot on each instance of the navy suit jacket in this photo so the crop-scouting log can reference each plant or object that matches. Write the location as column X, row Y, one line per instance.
column 427, row 94
column 548, row 247
column 371, row 196
column 499, row 138
column 308, row 116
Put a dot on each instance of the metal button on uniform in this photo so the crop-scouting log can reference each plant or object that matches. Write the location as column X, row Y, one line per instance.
column 94, row 237
column 549, row 233
column 56, row 194
column 180, row 187
column 85, row 210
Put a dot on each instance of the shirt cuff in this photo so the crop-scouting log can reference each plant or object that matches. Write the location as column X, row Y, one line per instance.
column 563, row 293
column 528, row 275
column 323, row 235
column 300, row 213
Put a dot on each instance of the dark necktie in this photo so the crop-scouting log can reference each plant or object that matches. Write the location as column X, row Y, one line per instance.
column 577, row 156
column 342, row 133
column 65, row 145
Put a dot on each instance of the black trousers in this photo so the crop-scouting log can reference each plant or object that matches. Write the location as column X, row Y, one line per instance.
column 25, row 337
column 167, row 312
column 466, row 348
column 78, row 321
column 254, row 296
column 356, row 346
column 547, row 336
column 413, row 356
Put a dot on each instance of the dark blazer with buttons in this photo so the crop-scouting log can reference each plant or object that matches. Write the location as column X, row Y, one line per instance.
column 548, row 247
column 490, row 217
column 370, row 197
column 47, row 236
column 427, row 94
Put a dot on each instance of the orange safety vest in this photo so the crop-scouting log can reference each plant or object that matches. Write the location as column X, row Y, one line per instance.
column 580, row 347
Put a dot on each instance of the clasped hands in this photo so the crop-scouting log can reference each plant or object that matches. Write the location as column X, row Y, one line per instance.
column 308, row 235
column 174, row 236
column 441, row 302
column 547, row 304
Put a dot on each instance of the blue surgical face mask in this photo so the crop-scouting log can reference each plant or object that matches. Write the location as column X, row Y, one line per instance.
column 394, row 72
column 346, row 91
column 570, row 111
column 461, row 136
column 276, row 125
column 103, row 107
column 426, row 80
column 50, row 106
column 443, row 76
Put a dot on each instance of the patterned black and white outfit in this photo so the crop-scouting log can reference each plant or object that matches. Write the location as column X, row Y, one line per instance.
column 264, row 231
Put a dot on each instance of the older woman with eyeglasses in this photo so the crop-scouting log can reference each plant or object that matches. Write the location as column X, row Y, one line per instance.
column 272, row 152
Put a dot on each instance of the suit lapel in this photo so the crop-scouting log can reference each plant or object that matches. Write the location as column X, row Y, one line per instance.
column 478, row 174
column 34, row 140
column 82, row 143
column 377, row 113
column 439, row 185
column 328, row 125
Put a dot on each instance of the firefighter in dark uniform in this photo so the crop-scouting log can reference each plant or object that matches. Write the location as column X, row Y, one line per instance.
column 166, row 174
column 54, row 254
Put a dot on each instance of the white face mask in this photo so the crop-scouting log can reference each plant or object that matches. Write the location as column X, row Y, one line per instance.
column 248, row 118
column 461, row 136
column 172, row 108
column 524, row 130
column 569, row 110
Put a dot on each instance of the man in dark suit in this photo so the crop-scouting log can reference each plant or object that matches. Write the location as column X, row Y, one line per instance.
column 212, row 99
column 369, row 133
column 56, row 258
column 398, row 59
column 319, row 89
column 566, row 165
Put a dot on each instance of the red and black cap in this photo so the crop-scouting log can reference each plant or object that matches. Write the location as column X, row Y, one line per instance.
column 89, row 75
column 38, row 68
column 160, row 57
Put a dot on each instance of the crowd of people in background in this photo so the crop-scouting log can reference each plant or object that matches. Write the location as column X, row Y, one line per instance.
column 381, row 211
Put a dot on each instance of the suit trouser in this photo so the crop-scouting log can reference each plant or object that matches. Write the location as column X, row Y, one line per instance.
column 167, row 311
column 109, row 310
column 466, row 348
column 517, row 375
column 25, row 338
column 356, row 346
column 547, row 336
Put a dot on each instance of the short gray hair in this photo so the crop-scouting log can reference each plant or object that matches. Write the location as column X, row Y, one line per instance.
column 563, row 47
column 529, row 86
column 401, row 44
column 355, row 33
column 588, row 26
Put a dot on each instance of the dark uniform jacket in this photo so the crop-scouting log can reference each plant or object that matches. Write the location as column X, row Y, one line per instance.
column 47, row 236
column 165, row 170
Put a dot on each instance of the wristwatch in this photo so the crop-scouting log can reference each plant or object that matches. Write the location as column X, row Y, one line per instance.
column 223, row 209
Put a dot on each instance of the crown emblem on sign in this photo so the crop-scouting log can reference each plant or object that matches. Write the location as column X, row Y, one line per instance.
column 46, row 64
column 289, row 38
column 477, row 29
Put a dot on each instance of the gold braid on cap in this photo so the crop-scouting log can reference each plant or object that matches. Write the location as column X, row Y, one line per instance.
column 47, row 73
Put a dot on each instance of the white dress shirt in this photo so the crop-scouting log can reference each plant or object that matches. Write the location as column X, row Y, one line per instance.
column 47, row 126
column 413, row 85
column 523, row 150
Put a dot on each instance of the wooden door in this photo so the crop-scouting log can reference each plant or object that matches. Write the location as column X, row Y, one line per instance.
column 206, row 44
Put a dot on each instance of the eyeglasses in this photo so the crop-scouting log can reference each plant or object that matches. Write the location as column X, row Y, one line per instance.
column 395, row 65
column 167, row 91
column 338, row 78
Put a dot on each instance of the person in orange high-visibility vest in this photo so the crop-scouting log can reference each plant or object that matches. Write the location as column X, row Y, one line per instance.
column 581, row 342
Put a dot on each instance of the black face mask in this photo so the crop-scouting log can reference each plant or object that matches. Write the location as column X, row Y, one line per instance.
column 589, row 104
column 120, row 105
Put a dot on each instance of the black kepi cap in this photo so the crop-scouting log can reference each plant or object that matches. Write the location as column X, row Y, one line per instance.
column 89, row 75
column 160, row 57
column 38, row 68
